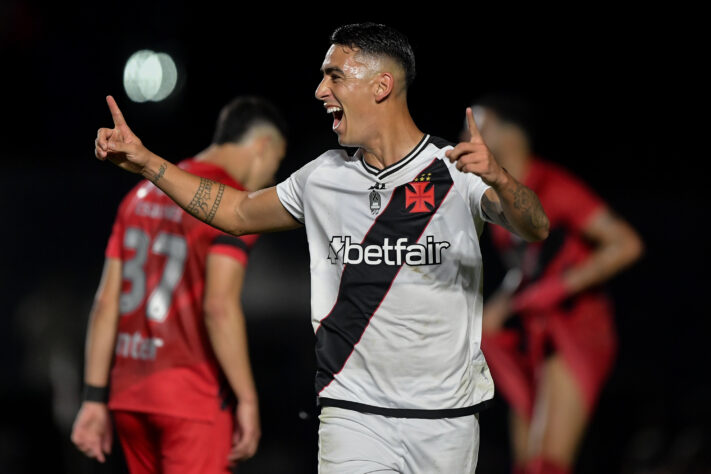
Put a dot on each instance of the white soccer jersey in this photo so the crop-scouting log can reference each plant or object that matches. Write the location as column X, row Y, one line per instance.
column 396, row 278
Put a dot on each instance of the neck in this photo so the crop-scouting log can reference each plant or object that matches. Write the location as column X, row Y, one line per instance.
column 396, row 136
column 233, row 158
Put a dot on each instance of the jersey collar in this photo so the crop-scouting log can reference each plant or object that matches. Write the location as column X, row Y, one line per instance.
column 398, row 165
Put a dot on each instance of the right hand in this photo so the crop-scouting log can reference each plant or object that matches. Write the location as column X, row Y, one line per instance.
column 119, row 144
column 91, row 432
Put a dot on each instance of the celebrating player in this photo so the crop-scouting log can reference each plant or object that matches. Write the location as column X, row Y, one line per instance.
column 395, row 261
column 568, row 335
column 168, row 302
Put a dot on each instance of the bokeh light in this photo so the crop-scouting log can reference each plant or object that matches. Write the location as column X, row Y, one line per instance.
column 149, row 76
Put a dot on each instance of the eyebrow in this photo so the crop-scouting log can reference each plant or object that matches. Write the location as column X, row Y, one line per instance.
column 332, row 69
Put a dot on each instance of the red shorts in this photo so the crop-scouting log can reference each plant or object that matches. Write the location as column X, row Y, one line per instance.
column 170, row 445
column 584, row 337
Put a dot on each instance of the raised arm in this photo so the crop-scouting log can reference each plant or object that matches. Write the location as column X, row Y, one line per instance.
column 230, row 210
column 508, row 203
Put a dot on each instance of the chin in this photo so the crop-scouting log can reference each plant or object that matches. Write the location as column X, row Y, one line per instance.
column 347, row 141
column 343, row 141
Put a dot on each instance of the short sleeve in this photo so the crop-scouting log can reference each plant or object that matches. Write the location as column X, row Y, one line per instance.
column 236, row 247
column 476, row 188
column 291, row 191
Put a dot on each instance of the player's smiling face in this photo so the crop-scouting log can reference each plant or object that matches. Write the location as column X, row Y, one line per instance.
column 346, row 92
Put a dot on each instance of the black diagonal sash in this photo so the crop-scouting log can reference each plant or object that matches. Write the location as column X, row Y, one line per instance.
column 363, row 287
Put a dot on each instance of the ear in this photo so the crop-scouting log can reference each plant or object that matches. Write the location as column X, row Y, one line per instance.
column 384, row 84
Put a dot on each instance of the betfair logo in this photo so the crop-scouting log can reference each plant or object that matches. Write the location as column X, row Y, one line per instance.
column 341, row 249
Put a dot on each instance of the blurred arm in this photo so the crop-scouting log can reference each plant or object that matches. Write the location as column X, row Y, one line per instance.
column 92, row 432
column 617, row 246
column 103, row 321
column 226, row 329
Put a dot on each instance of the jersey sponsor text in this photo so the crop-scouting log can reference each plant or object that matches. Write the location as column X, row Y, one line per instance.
column 430, row 253
column 136, row 346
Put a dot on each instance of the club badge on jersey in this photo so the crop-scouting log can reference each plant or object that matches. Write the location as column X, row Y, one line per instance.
column 375, row 197
column 420, row 195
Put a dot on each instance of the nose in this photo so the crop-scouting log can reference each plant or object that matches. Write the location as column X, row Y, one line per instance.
column 322, row 91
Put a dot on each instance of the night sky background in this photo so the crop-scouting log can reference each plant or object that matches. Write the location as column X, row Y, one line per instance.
column 619, row 102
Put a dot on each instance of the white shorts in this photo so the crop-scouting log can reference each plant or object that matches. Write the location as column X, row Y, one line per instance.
column 351, row 442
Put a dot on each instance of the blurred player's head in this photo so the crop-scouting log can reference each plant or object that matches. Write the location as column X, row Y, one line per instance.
column 366, row 73
column 254, row 124
column 505, row 123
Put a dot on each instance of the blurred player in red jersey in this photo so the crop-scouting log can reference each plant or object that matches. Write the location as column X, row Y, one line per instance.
column 168, row 313
column 551, row 369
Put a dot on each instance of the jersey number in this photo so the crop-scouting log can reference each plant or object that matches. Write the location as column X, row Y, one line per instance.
column 171, row 245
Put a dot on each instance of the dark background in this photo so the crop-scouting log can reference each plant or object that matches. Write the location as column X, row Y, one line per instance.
column 618, row 98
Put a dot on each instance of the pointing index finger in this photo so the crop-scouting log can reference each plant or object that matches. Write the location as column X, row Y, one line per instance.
column 115, row 112
column 473, row 129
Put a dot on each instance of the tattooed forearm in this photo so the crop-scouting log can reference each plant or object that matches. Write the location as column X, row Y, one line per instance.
column 216, row 204
column 516, row 208
column 159, row 174
column 527, row 203
column 495, row 213
column 199, row 204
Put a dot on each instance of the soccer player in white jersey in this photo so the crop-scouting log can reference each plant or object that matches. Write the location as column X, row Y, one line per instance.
column 395, row 262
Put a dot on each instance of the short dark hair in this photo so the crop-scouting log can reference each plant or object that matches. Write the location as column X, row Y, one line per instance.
column 377, row 39
column 511, row 109
column 243, row 113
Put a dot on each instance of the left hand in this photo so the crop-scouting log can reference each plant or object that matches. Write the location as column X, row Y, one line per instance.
column 474, row 156
column 92, row 432
column 247, row 432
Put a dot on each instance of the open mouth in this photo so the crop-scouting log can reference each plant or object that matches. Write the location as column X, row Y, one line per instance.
column 337, row 115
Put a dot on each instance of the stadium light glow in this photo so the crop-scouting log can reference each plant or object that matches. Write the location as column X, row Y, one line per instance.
column 149, row 76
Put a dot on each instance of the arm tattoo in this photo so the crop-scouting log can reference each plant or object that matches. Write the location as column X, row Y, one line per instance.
column 216, row 204
column 159, row 175
column 527, row 203
column 199, row 204
column 495, row 213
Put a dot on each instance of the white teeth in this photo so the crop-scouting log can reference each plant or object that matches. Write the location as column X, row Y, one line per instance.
column 332, row 109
